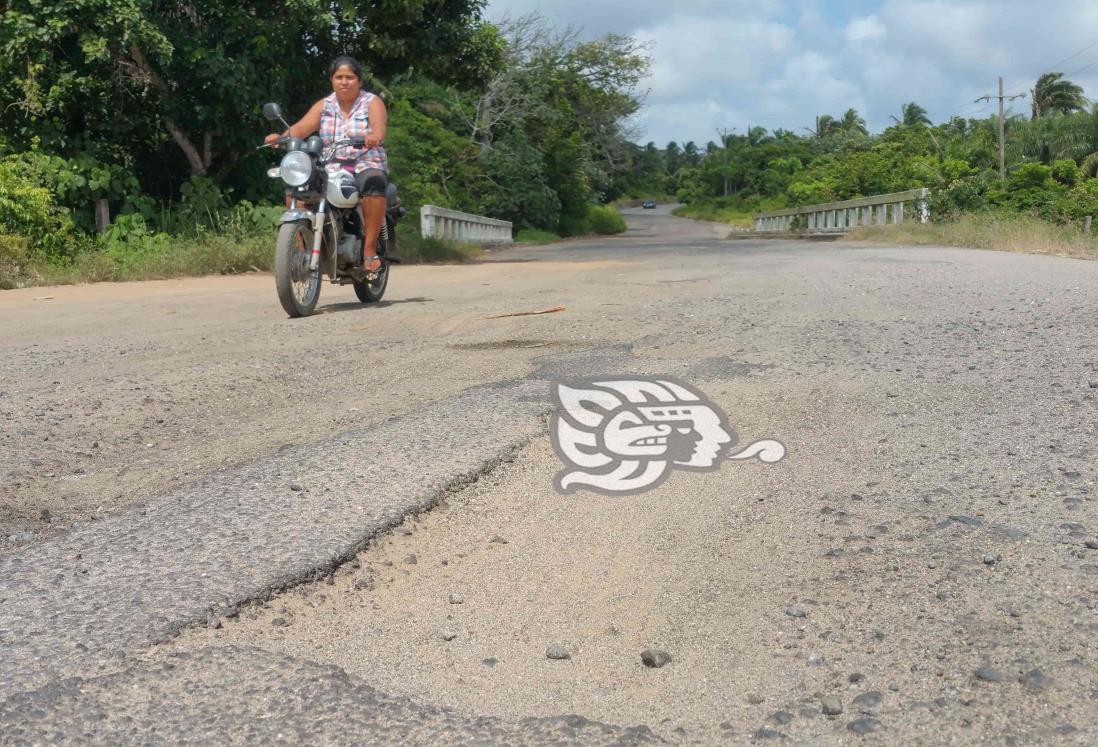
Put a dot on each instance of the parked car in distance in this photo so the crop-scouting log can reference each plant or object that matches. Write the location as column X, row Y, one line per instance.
column 648, row 204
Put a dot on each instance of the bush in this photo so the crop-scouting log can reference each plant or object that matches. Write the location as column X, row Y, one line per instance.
column 734, row 210
column 77, row 182
column 28, row 211
column 209, row 255
column 1029, row 176
column 965, row 195
column 13, row 256
column 604, row 220
column 1066, row 172
column 247, row 219
column 130, row 243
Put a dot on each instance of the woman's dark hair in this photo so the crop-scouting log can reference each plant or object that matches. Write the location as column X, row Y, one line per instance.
column 347, row 60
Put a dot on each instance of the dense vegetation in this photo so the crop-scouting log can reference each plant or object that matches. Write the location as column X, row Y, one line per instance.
column 1052, row 157
column 155, row 107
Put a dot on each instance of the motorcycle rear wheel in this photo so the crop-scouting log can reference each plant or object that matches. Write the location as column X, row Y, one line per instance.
column 372, row 291
column 298, row 288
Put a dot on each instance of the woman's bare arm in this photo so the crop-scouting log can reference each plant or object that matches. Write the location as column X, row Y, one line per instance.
column 379, row 119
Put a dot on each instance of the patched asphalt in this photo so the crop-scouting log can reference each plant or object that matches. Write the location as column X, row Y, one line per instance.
column 935, row 523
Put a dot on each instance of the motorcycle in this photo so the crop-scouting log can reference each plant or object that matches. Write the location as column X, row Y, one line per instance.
column 322, row 230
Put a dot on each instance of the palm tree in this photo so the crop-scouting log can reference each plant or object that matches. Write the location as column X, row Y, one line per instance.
column 673, row 156
column 1050, row 139
column 1053, row 93
column 825, row 125
column 690, row 151
column 853, row 122
column 911, row 114
column 756, row 135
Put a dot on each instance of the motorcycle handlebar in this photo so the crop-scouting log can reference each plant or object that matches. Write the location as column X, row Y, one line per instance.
column 354, row 142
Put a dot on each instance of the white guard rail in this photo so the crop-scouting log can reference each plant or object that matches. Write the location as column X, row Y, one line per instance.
column 442, row 223
column 840, row 216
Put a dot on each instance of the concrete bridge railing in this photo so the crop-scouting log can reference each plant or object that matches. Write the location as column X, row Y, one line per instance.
column 442, row 223
column 836, row 217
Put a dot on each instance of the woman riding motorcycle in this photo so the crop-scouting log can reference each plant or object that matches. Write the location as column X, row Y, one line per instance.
column 350, row 112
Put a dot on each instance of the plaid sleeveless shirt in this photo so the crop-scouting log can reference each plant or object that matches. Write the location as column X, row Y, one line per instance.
column 335, row 126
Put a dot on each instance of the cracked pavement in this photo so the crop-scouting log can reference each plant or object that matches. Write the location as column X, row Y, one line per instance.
column 924, row 561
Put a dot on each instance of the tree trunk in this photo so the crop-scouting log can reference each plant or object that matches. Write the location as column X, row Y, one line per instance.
column 199, row 166
column 225, row 164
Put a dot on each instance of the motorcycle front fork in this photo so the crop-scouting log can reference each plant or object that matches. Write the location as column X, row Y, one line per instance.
column 318, row 234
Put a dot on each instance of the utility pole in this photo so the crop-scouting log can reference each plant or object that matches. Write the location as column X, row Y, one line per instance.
column 1002, row 125
column 723, row 134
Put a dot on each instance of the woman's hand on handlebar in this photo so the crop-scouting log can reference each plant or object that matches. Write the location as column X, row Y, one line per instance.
column 272, row 139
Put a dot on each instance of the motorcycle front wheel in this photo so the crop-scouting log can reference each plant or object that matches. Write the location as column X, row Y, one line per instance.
column 298, row 288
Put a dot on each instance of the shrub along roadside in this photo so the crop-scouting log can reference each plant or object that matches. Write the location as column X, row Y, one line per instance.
column 166, row 257
column 535, row 236
column 131, row 250
column 734, row 210
column 998, row 230
column 605, row 220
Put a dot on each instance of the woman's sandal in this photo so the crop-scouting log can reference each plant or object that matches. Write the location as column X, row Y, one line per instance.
column 371, row 264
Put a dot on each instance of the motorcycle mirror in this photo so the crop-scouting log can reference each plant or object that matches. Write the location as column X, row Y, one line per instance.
column 272, row 111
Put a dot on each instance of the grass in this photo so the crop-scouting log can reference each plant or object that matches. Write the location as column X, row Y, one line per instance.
column 213, row 255
column 535, row 236
column 413, row 249
column 735, row 217
column 209, row 255
column 1003, row 232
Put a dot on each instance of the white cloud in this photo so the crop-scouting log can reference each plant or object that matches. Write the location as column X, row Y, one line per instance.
column 597, row 17
column 780, row 63
column 865, row 29
column 699, row 58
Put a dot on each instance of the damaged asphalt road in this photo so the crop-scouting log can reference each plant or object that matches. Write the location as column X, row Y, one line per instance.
column 344, row 527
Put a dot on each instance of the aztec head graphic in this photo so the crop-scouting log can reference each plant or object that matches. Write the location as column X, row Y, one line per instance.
column 624, row 436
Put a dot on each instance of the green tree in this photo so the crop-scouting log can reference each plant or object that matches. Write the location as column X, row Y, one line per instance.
column 1054, row 93
column 570, row 100
column 691, row 154
column 852, row 122
column 911, row 115
column 140, row 78
column 825, row 125
column 673, row 157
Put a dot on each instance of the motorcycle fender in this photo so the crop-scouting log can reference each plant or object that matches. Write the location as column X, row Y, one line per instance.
column 295, row 214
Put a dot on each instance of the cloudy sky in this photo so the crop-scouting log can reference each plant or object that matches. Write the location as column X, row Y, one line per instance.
column 779, row 63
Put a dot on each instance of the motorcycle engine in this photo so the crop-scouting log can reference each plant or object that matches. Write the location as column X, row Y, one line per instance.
column 350, row 250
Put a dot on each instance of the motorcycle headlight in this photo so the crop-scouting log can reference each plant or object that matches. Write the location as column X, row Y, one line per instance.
column 296, row 168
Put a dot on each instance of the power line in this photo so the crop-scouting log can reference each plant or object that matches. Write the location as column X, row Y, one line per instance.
column 964, row 106
column 1082, row 69
column 1070, row 57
